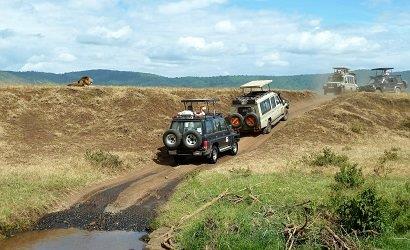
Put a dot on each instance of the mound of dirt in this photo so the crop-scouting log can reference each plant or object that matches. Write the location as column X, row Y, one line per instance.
column 56, row 121
column 353, row 116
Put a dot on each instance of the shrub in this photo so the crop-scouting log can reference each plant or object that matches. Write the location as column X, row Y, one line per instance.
column 241, row 172
column 389, row 155
column 349, row 175
column 364, row 212
column 104, row 159
column 400, row 210
column 405, row 124
column 328, row 157
column 356, row 128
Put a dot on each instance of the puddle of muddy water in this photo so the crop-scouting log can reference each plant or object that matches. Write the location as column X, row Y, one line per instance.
column 67, row 239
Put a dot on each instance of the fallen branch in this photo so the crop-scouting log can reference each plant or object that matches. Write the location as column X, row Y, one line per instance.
column 167, row 243
column 337, row 238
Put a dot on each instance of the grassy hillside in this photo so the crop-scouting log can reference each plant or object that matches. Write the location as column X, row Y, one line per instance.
column 110, row 77
column 342, row 170
column 57, row 140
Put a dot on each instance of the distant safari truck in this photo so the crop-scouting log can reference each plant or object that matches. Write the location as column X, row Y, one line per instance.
column 340, row 81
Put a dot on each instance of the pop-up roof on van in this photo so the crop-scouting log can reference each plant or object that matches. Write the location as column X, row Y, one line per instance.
column 256, row 84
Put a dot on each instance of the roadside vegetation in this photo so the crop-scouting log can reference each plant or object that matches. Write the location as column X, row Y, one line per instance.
column 26, row 193
column 291, row 210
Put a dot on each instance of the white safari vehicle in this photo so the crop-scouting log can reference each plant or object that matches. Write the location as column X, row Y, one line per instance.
column 258, row 108
column 340, row 81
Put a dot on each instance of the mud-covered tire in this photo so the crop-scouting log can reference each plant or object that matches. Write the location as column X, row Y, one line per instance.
column 285, row 115
column 236, row 120
column 213, row 156
column 397, row 90
column 192, row 139
column 235, row 148
column 255, row 117
column 172, row 138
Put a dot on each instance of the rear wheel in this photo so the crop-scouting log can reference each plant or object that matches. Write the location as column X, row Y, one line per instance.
column 213, row 157
column 234, row 149
column 397, row 90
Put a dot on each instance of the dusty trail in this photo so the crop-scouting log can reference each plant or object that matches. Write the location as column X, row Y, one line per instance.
column 128, row 203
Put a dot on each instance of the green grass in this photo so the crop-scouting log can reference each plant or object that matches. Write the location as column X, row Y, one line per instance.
column 239, row 221
column 26, row 194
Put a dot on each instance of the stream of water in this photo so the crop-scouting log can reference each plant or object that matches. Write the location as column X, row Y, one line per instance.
column 68, row 239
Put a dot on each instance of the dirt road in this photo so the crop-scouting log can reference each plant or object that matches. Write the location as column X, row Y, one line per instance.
column 128, row 203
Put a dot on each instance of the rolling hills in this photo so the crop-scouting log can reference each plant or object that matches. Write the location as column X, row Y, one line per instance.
column 128, row 78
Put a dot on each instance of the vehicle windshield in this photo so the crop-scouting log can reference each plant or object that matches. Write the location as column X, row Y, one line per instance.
column 183, row 126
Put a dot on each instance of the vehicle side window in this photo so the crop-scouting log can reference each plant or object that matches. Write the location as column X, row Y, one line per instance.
column 209, row 126
column 265, row 106
column 216, row 125
column 277, row 100
column 273, row 102
column 223, row 124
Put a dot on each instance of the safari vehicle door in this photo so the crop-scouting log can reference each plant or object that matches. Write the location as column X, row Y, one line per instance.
column 223, row 133
column 277, row 106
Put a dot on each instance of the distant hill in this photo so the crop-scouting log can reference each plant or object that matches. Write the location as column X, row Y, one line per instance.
column 128, row 78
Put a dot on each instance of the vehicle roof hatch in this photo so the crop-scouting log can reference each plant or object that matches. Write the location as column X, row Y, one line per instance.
column 256, row 84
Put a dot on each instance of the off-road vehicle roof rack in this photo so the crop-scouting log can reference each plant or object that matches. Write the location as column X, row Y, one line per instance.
column 206, row 101
column 382, row 71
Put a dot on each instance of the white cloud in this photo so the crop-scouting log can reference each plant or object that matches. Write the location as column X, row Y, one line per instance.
column 327, row 42
column 184, row 6
column 66, row 57
column 272, row 59
column 103, row 35
column 225, row 26
column 199, row 43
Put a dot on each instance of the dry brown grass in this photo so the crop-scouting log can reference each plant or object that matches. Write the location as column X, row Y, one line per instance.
column 46, row 130
column 377, row 122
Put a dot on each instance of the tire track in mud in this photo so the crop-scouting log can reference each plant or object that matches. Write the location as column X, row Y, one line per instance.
column 129, row 203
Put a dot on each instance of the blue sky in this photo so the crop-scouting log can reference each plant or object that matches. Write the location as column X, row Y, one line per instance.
column 204, row 37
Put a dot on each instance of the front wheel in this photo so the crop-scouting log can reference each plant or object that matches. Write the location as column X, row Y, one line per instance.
column 234, row 149
column 213, row 157
column 397, row 90
column 285, row 115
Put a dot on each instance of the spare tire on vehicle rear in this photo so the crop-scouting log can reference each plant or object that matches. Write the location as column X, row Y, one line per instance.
column 236, row 120
column 192, row 139
column 251, row 120
column 172, row 138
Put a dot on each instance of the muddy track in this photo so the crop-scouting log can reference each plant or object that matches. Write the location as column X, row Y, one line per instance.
column 129, row 203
